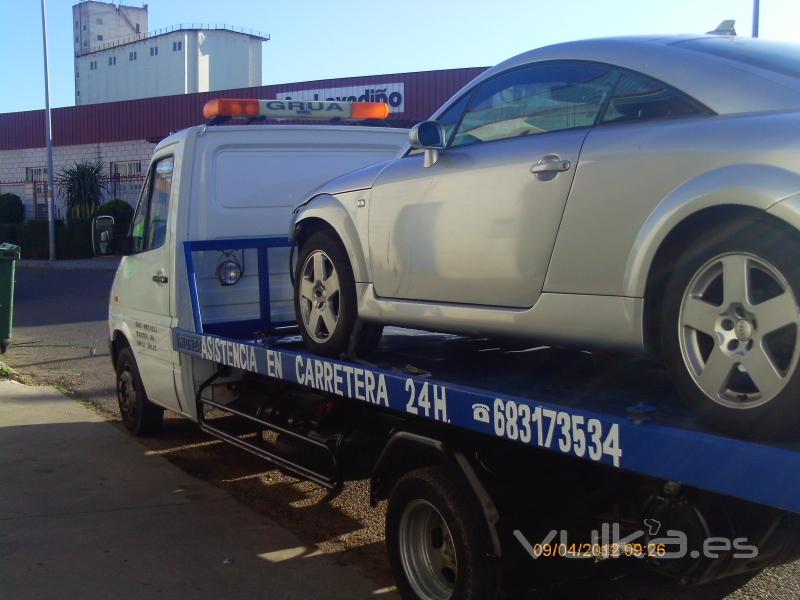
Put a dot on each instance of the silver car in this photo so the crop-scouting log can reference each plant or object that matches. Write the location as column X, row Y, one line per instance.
column 634, row 194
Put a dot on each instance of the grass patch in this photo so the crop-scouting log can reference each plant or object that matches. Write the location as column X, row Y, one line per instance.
column 7, row 372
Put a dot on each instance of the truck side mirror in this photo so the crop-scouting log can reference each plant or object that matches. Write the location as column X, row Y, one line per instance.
column 429, row 136
column 102, row 235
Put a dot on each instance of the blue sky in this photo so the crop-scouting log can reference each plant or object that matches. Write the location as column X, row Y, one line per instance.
column 315, row 39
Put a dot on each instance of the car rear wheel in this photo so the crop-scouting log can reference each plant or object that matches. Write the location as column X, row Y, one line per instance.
column 730, row 329
column 325, row 299
column 140, row 416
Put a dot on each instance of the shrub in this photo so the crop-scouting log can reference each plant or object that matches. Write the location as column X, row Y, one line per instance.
column 82, row 186
column 120, row 210
column 72, row 241
column 11, row 209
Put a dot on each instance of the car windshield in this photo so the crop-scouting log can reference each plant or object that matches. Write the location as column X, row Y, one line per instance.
column 779, row 57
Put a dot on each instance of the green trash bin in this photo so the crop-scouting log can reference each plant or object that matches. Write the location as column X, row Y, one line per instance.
column 9, row 254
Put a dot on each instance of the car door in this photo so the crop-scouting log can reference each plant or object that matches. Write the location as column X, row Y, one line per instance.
column 144, row 288
column 478, row 226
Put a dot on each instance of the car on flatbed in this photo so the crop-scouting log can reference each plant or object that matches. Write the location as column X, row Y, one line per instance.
column 625, row 194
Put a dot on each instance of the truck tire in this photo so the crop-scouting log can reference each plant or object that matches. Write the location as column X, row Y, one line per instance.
column 140, row 416
column 325, row 300
column 731, row 329
column 437, row 539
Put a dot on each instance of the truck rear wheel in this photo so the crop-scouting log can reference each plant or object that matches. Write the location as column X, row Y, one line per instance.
column 437, row 539
column 140, row 416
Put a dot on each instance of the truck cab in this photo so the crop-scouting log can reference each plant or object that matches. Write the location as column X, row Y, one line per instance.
column 219, row 182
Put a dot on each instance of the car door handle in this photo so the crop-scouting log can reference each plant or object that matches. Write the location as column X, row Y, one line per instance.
column 160, row 278
column 550, row 164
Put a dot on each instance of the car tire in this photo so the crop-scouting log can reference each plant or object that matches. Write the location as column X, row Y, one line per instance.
column 730, row 328
column 437, row 539
column 327, row 318
column 140, row 416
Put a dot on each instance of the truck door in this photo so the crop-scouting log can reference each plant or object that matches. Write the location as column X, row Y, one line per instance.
column 144, row 288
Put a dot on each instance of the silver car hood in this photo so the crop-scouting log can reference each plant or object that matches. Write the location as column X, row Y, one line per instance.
column 362, row 179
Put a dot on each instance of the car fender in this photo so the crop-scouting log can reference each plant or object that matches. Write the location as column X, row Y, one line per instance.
column 338, row 213
column 788, row 210
column 749, row 185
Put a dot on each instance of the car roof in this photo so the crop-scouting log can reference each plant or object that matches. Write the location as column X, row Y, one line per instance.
column 725, row 86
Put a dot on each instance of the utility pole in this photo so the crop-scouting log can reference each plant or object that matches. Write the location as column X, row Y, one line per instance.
column 51, row 223
column 755, row 18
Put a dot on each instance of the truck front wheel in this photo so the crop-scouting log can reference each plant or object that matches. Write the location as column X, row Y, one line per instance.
column 140, row 416
column 437, row 539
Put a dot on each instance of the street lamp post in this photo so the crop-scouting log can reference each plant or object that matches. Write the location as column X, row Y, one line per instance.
column 51, row 225
column 755, row 18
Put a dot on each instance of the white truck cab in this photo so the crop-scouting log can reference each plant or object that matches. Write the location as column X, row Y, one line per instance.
column 211, row 183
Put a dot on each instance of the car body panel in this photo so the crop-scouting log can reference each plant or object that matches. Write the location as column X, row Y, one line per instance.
column 477, row 227
column 341, row 213
column 636, row 181
column 605, row 322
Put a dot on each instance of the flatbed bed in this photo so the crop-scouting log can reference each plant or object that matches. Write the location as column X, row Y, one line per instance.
column 622, row 413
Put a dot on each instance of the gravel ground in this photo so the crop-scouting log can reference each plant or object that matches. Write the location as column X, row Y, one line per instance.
column 60, row 339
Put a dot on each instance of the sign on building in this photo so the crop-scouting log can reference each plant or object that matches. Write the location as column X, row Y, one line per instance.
column 391, row 93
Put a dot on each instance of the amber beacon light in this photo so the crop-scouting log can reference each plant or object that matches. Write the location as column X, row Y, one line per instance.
column 224, row 108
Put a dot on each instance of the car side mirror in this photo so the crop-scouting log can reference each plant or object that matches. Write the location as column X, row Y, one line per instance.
column 429, row 136
column 102, row 235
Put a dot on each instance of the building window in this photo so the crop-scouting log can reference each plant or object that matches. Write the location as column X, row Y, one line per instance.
column 132, row 56
column 78, row 93
column 84, row 27
column 137, row 28
column 126, row 168
column 154, row 51
column 99, row 21
column 85, row 43
column 93, row 65
column 77, row 40
column 176, row 46
column 76, row 24
column 35, row 173
column 99, row 37
column 112, row 60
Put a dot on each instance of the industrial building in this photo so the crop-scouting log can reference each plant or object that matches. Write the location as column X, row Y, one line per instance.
column 117, row 58
column 122, row 135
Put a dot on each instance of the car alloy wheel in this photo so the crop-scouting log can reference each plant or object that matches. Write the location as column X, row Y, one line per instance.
column 738, row 330
column 320, row 295
column 427, row 551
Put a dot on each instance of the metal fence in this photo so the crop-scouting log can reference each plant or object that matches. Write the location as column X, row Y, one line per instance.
column 179, row 27
column 34, row 194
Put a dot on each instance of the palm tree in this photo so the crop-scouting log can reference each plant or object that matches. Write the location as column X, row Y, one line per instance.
column 82, row 188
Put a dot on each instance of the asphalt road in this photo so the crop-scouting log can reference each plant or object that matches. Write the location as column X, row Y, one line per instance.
column 60, row 339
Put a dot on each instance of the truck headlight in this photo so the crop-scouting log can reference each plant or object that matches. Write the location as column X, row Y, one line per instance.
column 229, row 271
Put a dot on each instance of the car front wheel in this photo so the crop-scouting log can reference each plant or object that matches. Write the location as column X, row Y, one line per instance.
column 325, row 299
column 730, row 329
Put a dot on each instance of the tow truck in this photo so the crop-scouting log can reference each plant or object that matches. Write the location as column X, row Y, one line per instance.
column 496, row 459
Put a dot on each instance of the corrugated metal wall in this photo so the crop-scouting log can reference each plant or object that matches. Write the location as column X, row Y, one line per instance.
column 154, row 118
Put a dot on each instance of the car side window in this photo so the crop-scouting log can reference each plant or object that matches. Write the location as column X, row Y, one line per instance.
column 149, row 226
column 535, row 99
column 450, row 118
column 637, row 97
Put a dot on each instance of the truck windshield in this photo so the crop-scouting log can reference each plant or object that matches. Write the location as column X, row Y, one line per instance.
column 778, row 57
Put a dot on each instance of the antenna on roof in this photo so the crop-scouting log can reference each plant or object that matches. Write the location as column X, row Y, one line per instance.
column 724, row 28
